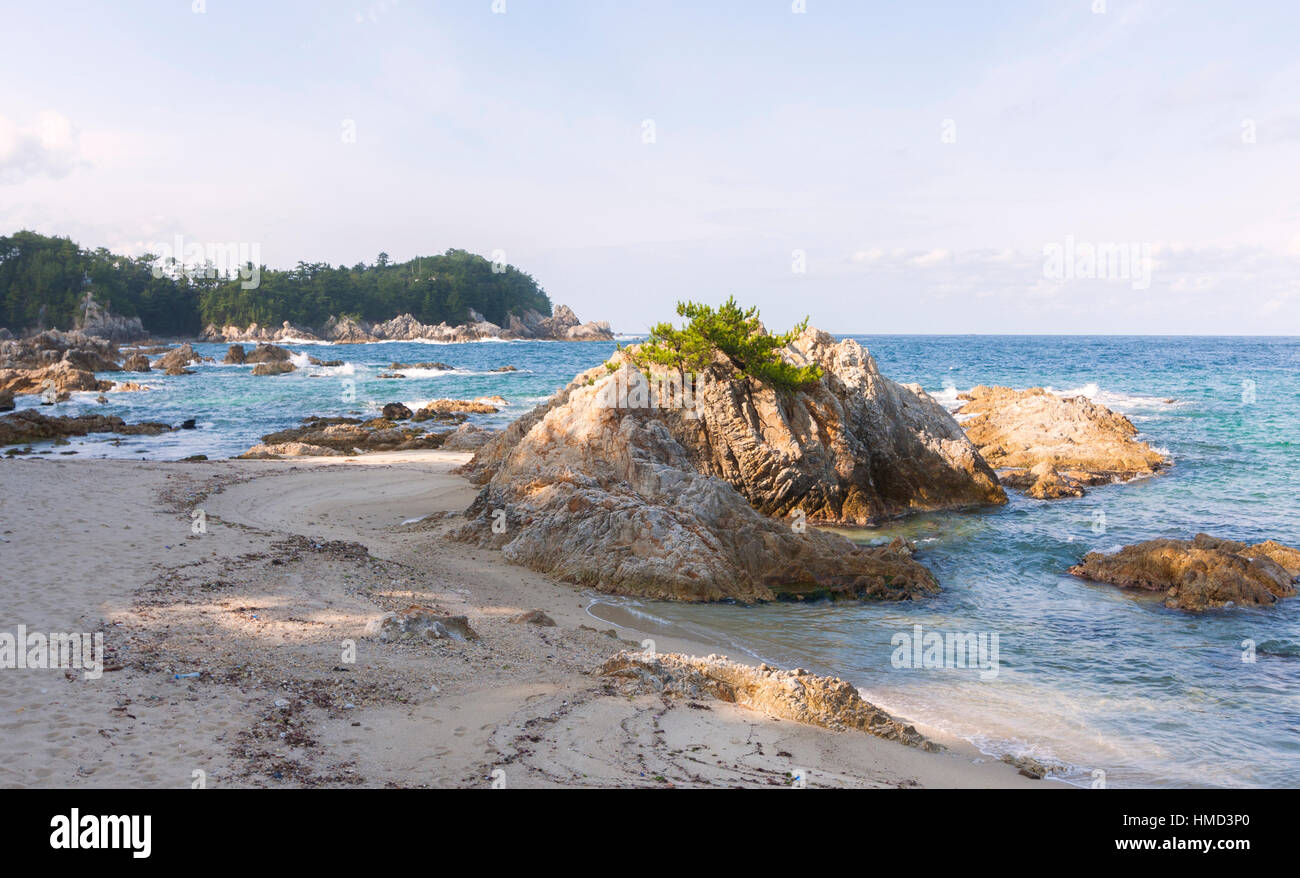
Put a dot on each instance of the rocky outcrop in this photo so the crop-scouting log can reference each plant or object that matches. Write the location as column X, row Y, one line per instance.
column 625, row 493
column 562, row 325
column 56, row 363
column 1200, row 573
column 96, row 320
column 349, row 435
column 32, row 426
column 175, row 360
column 439, row 408
column 1051, row 446
column 267, row 353
column 791, row 695
column 235, row 355
column 277, row 367
column 136, row 363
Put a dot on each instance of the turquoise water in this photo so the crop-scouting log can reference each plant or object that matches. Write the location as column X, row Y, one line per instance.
column 1089, row 677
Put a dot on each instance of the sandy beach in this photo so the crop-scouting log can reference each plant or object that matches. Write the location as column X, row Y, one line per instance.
column 262, row 603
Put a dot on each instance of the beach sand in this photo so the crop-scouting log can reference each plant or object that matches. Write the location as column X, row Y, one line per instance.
column 262, row 604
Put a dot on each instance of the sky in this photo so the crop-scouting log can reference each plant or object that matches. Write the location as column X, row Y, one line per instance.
column 916, row 167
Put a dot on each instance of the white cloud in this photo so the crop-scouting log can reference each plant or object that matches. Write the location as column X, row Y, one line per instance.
column 50, row 146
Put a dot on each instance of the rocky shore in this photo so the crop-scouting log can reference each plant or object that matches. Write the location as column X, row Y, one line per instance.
column 562, row 325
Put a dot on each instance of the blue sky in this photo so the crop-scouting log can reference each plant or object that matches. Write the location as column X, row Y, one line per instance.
column 913, row 159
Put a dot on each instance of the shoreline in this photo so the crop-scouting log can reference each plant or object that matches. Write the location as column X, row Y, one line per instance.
column 176, row 602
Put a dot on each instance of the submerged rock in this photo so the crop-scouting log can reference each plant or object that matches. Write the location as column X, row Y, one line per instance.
column 1200, row 573
column 667, row 503
column 1051, row 446
column 793, row 695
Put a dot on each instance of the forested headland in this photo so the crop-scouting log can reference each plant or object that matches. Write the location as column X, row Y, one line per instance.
column 44, row 279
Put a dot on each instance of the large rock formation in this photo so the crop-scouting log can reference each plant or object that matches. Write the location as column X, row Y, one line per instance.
column 1052, row 446
column 608, row 487
column 791, row 695
column 56, row 362
column 94, row 320
column 1200, row 573
column 563, row 325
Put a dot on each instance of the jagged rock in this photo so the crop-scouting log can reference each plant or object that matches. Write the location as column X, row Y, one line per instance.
column 136, row 363
column 1200, row 573
column 420, row 623
column 792, row 695
column 346, row 331
column 178, row 359
column 32, row 426
column 267, row 353
column 648, row 501
column 532, row 617
column 61, row 380
column 1051, row 446
column 257, row 333
column 235, row 355
column 274, row 367
column 288, row 449
column 396, row 411
column 94, row 320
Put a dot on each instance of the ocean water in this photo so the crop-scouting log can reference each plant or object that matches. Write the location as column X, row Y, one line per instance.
column 1089, row 677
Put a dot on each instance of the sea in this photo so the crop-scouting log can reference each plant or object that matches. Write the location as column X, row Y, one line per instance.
column 1105, row 684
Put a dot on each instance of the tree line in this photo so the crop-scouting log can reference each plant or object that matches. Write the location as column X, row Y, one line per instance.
column 44, row 279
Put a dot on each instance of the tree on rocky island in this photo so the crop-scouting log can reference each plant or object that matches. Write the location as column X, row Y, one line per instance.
column 730, row 330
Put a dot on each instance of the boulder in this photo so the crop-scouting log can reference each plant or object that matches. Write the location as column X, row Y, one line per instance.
column 235, row 355
column 136, row 363
column 6, row 400
column 420, row 623
column 274, row 367
column 794, row 695
column 1200, row 573
column 396, row 411
column 174, row 361
column 267, row 353
column 1051, row 446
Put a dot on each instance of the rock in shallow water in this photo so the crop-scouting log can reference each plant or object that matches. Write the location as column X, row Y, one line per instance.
column 1200, row 573
column 1051, row 446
